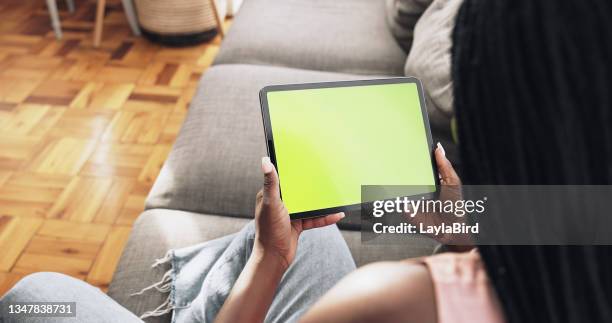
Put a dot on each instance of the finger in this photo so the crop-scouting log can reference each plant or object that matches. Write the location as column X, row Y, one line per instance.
column 448, row 176
column 270, row 190
column 322, row 221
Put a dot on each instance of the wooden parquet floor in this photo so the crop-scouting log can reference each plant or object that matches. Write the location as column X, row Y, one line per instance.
column 83, row 134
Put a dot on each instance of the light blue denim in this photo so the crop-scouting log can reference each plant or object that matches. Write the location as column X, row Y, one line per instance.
column 92, row 305
column 202, row 277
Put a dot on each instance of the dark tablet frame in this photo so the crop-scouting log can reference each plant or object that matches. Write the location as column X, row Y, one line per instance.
column 263, row 99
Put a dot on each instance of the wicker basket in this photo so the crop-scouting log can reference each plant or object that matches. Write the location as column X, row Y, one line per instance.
column 179, row 22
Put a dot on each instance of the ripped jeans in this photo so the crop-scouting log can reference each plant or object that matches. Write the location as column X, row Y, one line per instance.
column 201, row 283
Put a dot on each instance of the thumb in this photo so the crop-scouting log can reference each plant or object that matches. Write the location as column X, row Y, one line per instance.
column 448, row 176
column 271, row 191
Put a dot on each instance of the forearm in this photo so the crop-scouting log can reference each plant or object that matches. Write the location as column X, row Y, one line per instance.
column 254, row 290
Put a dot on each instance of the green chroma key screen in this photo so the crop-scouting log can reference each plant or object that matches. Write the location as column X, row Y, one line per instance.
column 330, row 141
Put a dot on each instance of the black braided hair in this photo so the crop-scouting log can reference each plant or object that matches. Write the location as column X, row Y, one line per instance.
column 533, row 98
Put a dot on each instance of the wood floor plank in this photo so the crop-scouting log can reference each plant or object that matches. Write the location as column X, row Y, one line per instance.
column 15, row 233
column 44, row 245
column 182, row 105
column 150, row 103
column 208, row 56
column 49, row 120
column 103, row 95
column 63, row 156
column 15, row 150
column 172, row 128
column 151, row 73
column 16, row 90
column 180, row 55
column 117, row 159
column 25, row 73
column 154, row 164
column 104, row 266
column 156, row 93
column 145, row 128
column 55, row 92
column 27, row 194
column 31, row 194
column 4, row 176
column 84, row 97
column 134, row 205
column 115, row 200
column 8, row 280
column 136, row 127
column 24, row 118
column 141, row 53
column 117, row 74
column 30, row 263
column 78, row 123
column 90, row 232
column 36, row 61
column 78, row 70
column 81, row 200
column 6, row 112
column 24, row 208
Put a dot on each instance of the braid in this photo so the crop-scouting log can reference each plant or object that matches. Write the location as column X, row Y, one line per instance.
column 532, row 82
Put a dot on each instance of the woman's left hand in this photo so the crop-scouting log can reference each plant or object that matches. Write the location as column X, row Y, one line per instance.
column 276, row 234
column 450, row 190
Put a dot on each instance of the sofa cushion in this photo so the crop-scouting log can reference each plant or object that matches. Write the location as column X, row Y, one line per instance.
column 402, row 16
column 349, row 36
column 430, row 59
column 158, row 230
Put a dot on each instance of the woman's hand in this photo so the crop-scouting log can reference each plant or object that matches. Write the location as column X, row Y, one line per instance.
column 450, row 181
column 276, row 239
column 450, row 190
column 276, row 234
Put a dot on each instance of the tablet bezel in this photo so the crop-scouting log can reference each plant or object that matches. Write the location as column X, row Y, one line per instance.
column 263, row 99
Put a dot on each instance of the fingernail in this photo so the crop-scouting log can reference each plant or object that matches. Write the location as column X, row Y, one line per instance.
column 342, row 215
column 441, row 148
column 266, row 164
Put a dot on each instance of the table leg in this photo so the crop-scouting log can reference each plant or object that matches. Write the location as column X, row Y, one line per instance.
column 213, row 4
column 130, row 13
column 70, row 5
column 99, row 23
column 55, row 21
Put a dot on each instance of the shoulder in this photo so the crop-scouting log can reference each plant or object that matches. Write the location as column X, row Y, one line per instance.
column 381, row 292
column 385, row 277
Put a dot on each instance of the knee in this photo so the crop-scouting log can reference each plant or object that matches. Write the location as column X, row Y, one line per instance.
column 42, row 278
column 31, row 285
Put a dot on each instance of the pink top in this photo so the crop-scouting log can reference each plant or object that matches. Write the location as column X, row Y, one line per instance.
column 462, row 288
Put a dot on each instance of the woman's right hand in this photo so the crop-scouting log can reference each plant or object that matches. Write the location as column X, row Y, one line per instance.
column 276, row 234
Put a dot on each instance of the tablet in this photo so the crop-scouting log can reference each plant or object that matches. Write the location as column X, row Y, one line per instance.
column 328, row 139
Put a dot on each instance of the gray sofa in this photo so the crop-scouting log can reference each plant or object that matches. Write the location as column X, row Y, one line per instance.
column 207, row 186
